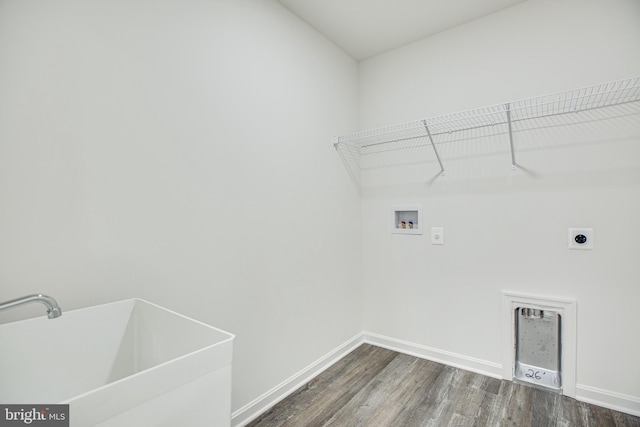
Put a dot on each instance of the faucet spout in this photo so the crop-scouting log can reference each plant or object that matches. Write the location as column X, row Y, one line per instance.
column 53, row 309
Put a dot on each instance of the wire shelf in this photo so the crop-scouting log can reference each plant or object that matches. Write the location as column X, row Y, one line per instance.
column 599, row 102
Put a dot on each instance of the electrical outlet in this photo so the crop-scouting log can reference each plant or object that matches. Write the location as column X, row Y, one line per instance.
column 437, row 236
column 581, row 238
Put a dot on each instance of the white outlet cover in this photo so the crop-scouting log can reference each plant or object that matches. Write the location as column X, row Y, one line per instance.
column 437, row 235
column 587, row 237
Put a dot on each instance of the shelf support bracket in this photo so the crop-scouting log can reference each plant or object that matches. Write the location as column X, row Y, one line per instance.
column 513, row 153
column 424, row 122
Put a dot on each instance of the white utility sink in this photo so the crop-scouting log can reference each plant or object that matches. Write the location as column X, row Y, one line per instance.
column 120, row 364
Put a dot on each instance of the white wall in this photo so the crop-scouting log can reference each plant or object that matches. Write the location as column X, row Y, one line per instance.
column 181, row 152
column 507, row 230
column 177, row 151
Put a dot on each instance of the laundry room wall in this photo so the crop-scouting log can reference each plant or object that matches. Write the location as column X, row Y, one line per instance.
column 504, row 229
column 180, row 152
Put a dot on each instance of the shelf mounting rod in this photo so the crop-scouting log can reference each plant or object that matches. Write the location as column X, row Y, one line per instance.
column 424, row 122
column 513, row 153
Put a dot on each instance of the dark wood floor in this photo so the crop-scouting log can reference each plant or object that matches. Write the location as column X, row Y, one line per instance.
column 373, row 386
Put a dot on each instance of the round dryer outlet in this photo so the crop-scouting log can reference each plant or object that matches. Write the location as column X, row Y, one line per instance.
column 581, row 238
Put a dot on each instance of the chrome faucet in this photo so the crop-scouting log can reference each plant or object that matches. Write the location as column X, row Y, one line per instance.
column 53, row 309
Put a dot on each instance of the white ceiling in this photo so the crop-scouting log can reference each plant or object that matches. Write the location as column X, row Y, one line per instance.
column 365, row 28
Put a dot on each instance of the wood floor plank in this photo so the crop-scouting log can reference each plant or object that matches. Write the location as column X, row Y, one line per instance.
column 600, row 416
column 568, row 413
column 625, row 420
column 468, row 402
column 324, row 395
column 416, row 407
column 490, row 405
column 374, row 397
column 434, row 403
column 376, row 387
column 414, row 385
column 544, row 407
column 519, row 406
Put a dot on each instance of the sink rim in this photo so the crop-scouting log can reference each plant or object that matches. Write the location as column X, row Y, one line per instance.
column 208, row 357
column 229, row 339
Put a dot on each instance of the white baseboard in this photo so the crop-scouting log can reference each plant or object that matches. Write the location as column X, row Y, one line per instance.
column 467, row 363
column 596, row 396
column 246, row 414
column 608, row 399
column 253, row 409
